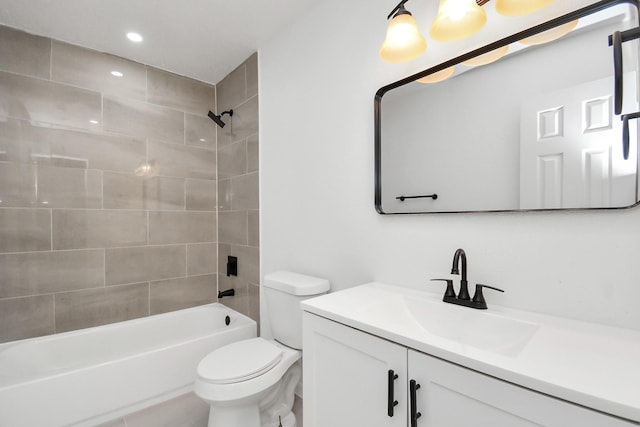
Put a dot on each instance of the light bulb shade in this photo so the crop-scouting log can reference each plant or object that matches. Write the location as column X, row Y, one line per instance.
column 457, row 19
column 520, row 7
column 438, row 76
column 404, row 41
column 550, row 35
column 487, row 58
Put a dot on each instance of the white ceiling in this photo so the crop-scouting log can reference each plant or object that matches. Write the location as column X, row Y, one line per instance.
column 203, row 39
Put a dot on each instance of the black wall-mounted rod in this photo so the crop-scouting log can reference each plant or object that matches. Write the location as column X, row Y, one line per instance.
column 616, row 39
column 625, row 132
column 428, row 196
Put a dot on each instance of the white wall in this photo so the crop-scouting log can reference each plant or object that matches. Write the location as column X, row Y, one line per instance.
column 317, row 82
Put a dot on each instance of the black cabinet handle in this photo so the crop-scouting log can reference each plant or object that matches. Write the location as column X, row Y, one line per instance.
column 616, row 39
column 413, row 387
column 625, row 132
column 391, row 402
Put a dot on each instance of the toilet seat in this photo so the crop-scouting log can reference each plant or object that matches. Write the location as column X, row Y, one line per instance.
column 247, row 389
column 239, row 361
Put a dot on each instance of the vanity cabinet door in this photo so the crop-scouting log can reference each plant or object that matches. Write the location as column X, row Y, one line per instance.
column 346, row 377
column 453, row 396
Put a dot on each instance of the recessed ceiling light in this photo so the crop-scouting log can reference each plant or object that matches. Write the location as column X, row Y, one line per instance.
column 134, row 37
column 93, row 122
column 203, row 140
column 116, row 73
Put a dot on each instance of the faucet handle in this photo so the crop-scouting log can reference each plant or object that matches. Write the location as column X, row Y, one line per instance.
column 478, row 297
column 449, row 292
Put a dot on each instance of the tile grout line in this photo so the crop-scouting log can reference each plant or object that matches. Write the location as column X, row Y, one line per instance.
column 50, row 59
column 55, row 327
column 104, row 267
column 217, row 205
column 51, row 227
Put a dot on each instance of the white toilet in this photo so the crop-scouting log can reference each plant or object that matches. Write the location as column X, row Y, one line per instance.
column 251, row 383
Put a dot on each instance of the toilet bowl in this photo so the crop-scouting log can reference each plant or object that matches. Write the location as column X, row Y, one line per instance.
column 251, row 383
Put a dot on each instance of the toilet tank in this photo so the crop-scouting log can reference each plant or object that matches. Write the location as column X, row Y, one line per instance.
column 283, row 291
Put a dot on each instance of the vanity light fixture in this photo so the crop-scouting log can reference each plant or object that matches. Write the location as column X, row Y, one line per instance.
column 404, row 41
column 520, row 7
column 457, row 19
column 438, row 76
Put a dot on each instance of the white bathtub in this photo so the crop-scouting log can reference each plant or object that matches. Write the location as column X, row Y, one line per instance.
column 86, row 377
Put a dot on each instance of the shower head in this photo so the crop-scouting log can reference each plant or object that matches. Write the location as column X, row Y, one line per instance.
column 218, row 117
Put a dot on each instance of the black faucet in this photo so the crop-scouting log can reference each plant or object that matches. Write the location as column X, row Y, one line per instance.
column 464, row 291
column 463, row 298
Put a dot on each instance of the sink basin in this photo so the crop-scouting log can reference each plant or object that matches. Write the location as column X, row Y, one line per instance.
column 476, row 328
column 426, row 318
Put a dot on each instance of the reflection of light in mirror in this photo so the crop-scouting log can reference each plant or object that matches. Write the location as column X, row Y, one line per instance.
column 203, row 140
column 404, row 41
column 550, row 35
column 438, row 76
column 457, row 19
column 488, row 57
column 93, row 122
column 116, row 73
column 45, row 203
column 520, row 7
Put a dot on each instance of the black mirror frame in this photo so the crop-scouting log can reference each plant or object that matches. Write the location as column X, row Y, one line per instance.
column 377, row 107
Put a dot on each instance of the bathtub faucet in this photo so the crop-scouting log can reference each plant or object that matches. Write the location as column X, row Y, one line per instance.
column 228, row 293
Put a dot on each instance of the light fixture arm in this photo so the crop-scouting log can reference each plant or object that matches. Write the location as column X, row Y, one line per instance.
column 399, row 9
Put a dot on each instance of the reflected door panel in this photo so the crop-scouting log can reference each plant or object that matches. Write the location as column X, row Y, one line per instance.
column 571, row 149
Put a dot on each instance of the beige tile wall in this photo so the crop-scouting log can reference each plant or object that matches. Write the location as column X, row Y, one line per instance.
column 108, row 191
column 238, row 201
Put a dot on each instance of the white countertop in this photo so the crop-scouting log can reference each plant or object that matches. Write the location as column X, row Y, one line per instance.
column 589, row 364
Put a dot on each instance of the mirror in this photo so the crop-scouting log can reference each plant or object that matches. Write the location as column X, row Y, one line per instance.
column 534, row 130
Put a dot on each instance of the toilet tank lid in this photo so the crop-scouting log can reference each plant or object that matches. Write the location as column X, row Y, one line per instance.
column 296, row 284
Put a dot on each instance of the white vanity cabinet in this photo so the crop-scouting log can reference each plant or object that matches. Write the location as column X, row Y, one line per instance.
column 346, row 384
column 346, row 377
column 454, row 396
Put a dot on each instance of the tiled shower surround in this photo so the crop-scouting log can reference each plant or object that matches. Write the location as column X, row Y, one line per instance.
column 108, row 188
